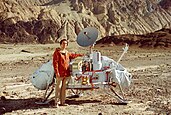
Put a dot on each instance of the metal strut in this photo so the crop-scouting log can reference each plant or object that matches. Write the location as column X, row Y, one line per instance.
column 45, row 101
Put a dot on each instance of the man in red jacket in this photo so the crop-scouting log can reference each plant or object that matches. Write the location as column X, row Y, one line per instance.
column 61, row 59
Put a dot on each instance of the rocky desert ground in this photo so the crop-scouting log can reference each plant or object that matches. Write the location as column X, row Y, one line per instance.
column 31, row 29
column 150, row 90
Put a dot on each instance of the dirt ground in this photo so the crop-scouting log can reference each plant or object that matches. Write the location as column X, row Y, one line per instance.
column 150, row 91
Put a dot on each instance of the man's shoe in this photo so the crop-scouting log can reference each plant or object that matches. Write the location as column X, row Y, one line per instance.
column 55, row 105
column 63, row 104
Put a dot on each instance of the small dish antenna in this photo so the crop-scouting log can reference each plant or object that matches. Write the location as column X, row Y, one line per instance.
column 87, row 37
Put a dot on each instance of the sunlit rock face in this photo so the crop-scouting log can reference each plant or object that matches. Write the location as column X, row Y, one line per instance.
column 47, row 21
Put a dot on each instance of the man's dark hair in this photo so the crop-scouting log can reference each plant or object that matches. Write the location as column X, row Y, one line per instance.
column 63, row 40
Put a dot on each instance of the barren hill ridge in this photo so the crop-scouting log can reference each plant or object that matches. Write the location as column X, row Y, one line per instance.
column 46, row 21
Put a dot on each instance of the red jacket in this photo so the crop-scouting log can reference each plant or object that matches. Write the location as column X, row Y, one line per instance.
column 61, row 62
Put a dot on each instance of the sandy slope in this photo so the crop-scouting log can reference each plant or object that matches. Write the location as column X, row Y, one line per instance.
column 150, row 91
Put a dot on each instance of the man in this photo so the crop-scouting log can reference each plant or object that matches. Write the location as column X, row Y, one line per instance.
column 61, row 59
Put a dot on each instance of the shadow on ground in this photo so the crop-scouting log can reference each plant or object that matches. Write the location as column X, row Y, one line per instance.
column 9, row 105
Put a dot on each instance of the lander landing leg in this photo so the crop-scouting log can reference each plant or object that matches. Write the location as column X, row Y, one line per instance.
column 116, row 92
column 45, row 100
column 75, row 93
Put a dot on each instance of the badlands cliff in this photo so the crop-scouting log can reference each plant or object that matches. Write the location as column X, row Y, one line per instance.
column 47, row 21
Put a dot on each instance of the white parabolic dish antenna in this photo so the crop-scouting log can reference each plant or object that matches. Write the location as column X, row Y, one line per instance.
column 87, row 36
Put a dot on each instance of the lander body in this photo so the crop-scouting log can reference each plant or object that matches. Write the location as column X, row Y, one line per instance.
column 92, row 71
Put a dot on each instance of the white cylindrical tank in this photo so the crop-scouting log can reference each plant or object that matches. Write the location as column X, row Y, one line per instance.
column 43, row 77
column 97, row 64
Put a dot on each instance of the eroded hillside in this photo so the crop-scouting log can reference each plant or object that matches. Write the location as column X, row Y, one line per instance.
column 46, row 21
column 158, row 39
